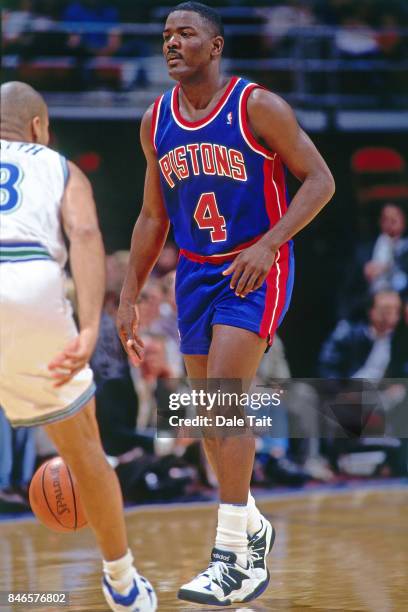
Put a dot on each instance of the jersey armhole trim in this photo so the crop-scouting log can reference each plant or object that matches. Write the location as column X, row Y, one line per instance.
column 244, row 125
column 155, row 120
column 65, row 169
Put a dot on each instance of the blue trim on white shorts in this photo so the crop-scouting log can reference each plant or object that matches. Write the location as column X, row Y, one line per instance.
column 12, row 252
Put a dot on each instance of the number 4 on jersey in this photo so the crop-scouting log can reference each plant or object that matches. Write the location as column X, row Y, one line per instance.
column 208, row 216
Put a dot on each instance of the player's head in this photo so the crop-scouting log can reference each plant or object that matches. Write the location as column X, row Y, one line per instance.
column 193, row 40
column 24, row 113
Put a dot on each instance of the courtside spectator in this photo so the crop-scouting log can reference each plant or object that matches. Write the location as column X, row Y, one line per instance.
column 388, row 266
column 377, row 265
column 363, row 349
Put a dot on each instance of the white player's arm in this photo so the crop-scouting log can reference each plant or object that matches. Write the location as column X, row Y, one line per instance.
column 86, row 251
column 149, row 235
column 87, row 260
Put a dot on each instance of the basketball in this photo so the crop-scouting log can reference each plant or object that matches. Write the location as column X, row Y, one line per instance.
column 54, row 497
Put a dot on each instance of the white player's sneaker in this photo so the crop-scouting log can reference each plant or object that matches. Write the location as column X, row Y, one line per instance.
column 260, row 545
column 141, row 597
column 225, row 582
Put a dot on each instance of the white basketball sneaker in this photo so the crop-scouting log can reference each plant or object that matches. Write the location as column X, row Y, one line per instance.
column 225, row 582
column 141, row 597
column 260, row 545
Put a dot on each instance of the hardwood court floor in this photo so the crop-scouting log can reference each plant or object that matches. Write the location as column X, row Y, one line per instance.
column 334, row 552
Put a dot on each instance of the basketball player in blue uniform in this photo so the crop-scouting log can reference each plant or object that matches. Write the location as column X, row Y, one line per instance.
column 215, row 150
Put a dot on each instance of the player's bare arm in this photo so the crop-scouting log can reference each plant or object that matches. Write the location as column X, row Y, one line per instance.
column 148, row 238
column 274, row 125
column 87, row 260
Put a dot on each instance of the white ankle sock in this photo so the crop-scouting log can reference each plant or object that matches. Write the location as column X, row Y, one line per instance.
column 120, row 573
column 254, row 516
column 231, row 531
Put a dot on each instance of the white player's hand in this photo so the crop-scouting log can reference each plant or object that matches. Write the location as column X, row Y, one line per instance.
column 73, row 358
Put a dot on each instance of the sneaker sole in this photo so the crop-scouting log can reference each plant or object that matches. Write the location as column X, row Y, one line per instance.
column 202, row 598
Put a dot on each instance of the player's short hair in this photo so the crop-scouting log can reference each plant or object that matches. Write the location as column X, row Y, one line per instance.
column 20, row 103
column 206, row 12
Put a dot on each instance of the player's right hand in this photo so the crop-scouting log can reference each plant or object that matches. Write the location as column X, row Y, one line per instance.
column 73, row 358
column 127, row 322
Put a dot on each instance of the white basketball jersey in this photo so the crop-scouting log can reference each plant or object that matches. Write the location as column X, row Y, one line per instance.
column 32, row 183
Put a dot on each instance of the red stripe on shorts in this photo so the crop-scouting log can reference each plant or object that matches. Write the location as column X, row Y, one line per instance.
column 275, row 203
column 275, row 298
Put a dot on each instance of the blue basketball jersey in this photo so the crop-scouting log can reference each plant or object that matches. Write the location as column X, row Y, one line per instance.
column 222, row 189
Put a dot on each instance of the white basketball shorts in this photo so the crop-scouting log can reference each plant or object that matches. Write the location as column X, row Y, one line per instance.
column 35, row 325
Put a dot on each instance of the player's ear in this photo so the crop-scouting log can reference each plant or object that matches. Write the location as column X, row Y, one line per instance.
column 39, row 130
column 36, row 129
column 217, row 46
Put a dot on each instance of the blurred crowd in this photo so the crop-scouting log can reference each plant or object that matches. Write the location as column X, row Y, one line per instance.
column 83, row 35
column 281, row 12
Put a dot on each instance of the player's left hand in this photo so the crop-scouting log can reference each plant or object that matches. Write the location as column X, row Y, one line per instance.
column 250, row 268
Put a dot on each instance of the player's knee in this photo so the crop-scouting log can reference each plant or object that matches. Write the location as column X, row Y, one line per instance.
column 77, row 438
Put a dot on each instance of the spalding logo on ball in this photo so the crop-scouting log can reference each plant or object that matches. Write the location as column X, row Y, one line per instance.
column 54, row 497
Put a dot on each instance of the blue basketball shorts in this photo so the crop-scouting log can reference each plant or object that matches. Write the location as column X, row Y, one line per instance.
column 204, row 298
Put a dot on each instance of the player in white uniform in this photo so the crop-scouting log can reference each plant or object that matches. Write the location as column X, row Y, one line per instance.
column 44, row 376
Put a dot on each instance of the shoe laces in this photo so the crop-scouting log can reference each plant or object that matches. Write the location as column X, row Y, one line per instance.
column 254, row 555
column 217, row 570
column 255, row 551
